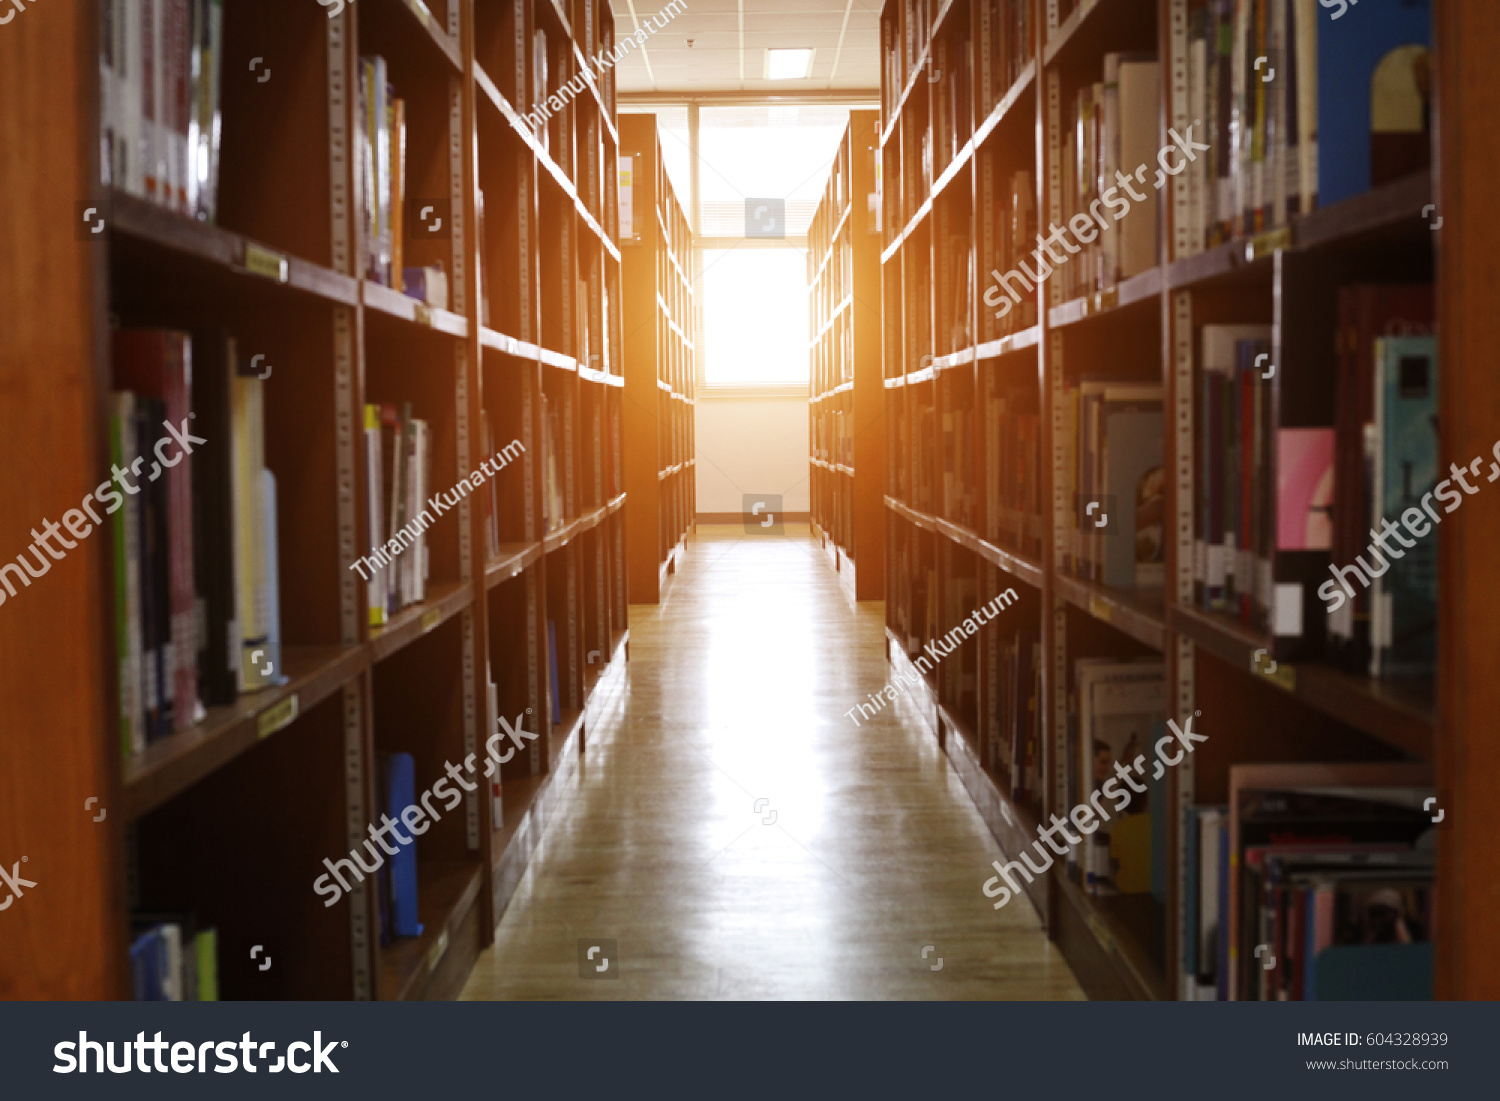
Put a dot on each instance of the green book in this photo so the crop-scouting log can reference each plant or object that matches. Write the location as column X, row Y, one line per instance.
column 206, row 956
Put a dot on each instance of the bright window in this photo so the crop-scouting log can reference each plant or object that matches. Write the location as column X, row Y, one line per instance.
column 755, row 316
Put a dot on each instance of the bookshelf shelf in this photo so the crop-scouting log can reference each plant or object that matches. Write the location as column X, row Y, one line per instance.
column 417, row 968
column 1010, row 344
column 410, row 624
column 659, row 378
column 526, row 351
column 1137, row 614
column 1378, row 210
column 174, row 764
column 1398, row 713
column 511, row 561
column 1140, row 290
column 846, row 407
column 195, row 241
column 976, row 159
column 436, row 33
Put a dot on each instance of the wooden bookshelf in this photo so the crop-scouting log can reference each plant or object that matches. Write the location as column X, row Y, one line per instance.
column 231, row 818
column 660, row 377
column 846, row 409
column 950, row 140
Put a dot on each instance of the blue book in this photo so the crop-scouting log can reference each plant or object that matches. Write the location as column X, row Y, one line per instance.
column 1403, row 600
column 400, row 874
column 1374, row 116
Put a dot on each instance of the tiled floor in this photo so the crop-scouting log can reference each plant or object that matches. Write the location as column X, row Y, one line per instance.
column 738, row 837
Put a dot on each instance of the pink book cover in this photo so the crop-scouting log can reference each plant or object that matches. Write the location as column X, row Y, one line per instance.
column 1304, row 497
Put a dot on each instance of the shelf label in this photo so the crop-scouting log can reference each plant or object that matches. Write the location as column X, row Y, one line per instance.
column 435, row 955
column 1267, row 243
column 1101, row 610
column 277, row 718
column 262, row 261
column 432, row 619
column 422, row 314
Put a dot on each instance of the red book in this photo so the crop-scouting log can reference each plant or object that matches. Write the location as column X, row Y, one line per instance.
column 157, row 363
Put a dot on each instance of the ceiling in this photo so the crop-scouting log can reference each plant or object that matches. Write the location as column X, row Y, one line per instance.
column 729, row 42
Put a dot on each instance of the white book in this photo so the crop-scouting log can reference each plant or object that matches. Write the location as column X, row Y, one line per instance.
column 1199, row 179
column 272, row 587
column 1210, row 829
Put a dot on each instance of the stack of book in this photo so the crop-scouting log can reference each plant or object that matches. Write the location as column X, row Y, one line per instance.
column 1109, row 132
column 196, row 593
column 952, row 77
column 1300, row 109
column 1232, row 552
column 1115, row 478
column 171, row 960
column 1280, row 504
column 1007, row 236
column 959, row 498
column 1314, row 884
column 160, row 122
column 1013, row 673
column 380, row 138
column 1384, row 444
column 398, row 474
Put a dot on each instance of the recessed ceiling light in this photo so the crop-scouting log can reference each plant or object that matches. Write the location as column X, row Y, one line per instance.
column 788, row 64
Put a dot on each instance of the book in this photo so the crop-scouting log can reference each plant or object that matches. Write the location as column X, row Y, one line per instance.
column 125, row 537
column 398, row 876
column 247, row 408
column 1305, row 489
column 1374, row 97
column 172, row 960
column 1352, row 817
column 377, row 585
column 1366, row 312
column 1403, row 599
column 373, row 146
column 1115, row 707
column 159, row 109
column 1134, row 551
column 157, row 364
column 1136, row 139
column 215, row 547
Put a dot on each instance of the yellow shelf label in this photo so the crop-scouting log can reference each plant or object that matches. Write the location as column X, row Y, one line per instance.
column 278, row 717
column 262, row 261
column 431, row 619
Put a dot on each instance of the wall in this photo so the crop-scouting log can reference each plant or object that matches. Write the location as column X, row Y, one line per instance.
column 751, row 445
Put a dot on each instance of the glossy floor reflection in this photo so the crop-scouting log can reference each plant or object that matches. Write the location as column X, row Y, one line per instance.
column 737, row 837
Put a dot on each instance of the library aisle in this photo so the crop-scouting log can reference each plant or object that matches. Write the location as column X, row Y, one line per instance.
column 756, row 844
